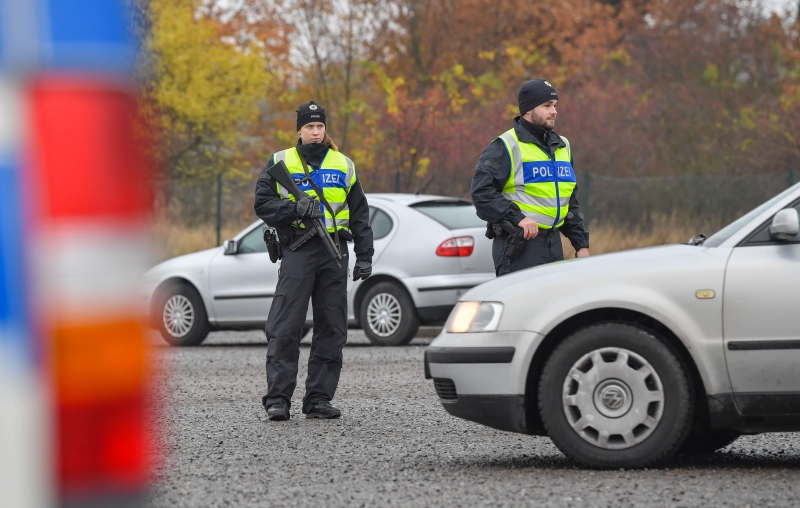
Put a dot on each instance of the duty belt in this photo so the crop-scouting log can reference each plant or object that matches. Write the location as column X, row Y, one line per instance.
column 502, row 233
column 547, row 231
column 345, row 235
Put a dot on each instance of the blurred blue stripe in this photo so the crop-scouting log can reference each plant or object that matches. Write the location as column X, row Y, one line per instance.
column 3, row 34
column 14, row 339
column 90, row 34
column 94, row 35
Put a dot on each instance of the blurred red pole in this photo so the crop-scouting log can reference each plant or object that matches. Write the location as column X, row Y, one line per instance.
column 93, row 189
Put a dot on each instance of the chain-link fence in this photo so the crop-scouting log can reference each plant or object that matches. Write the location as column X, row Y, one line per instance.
column 707, row 199
column 218, row 202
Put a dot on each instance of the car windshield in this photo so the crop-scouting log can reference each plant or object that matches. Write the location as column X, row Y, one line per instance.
column 450, row 213
column 723, row 234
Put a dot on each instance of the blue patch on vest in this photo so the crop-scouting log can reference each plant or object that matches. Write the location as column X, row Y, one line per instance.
column 330, row 178
column 323, row 178
column 548, row 171
column 304, row 186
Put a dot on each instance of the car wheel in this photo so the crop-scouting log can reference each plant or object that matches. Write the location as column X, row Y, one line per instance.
column 700, row 443
column 181, row 316
column 388, row 316
column 615, row 396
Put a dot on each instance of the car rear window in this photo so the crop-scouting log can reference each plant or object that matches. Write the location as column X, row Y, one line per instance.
column 451, row 214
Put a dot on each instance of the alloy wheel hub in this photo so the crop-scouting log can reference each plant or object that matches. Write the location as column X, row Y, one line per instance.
column 178, row 316
column 384, row 314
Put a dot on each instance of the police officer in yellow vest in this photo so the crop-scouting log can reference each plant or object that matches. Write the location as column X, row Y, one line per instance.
column 310, row 271
column 525, row 181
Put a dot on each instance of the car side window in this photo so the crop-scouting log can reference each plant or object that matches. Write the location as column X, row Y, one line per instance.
column 381, row 223
column 253, row 242
column 762, row 237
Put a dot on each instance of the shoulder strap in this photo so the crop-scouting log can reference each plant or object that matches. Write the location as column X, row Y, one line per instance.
column 569, row 150
column 321, row 197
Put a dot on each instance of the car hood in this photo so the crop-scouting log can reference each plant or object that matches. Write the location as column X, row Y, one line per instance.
column 624, row 262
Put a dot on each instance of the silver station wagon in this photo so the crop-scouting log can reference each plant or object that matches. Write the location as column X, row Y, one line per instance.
column 625, row 359
column 429, row 250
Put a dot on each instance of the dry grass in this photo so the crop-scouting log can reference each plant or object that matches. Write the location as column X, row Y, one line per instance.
column 664, row 230
column 174, row 239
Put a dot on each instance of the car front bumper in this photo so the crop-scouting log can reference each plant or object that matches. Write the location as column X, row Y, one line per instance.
column 481, row 377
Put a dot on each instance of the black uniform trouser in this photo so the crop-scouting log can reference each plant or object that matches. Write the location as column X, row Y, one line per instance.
column 545, row 248
column 307, row 272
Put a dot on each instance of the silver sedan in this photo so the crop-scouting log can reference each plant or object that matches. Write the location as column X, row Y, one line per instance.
column 627, row 358
column 428, row 251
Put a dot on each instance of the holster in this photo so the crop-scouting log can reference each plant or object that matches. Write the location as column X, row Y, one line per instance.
column 499, row 230
column 274, row 247
column 515, row 242
column 284, row 235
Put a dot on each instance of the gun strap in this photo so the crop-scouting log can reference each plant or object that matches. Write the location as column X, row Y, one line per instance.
column 321, row 197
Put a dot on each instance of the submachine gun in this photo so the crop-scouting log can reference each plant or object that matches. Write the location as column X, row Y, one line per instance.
column 314, row 226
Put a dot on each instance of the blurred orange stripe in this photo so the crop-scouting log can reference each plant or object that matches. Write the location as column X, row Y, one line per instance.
column 96, row 362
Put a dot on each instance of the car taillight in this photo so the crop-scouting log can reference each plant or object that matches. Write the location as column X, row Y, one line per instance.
column 461, row 246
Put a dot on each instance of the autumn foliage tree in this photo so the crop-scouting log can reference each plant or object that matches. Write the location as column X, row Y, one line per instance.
column 415, row 89
column 203, row 92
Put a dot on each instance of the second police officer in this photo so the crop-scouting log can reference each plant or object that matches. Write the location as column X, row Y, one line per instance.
column 525, row 187
column 310, row 271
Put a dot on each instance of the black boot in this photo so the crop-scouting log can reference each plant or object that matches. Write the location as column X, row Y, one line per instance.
column 323, row 409
column 278, row 412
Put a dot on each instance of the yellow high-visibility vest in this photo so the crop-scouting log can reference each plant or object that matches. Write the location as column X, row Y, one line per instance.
column 335, row 176
column 540, row 186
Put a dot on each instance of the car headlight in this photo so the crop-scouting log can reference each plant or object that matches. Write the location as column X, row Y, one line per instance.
column 475, row 317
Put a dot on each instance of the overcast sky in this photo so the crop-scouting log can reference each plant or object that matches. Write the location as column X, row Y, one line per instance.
column 781, row 5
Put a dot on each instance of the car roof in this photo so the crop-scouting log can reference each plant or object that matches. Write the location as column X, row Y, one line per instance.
column 402, row 199
column 410, row 199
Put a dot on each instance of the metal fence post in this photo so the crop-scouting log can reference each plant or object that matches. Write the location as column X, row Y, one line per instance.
column 791, row 177
column 586, row 180
column 397, row 182
column 219, row 206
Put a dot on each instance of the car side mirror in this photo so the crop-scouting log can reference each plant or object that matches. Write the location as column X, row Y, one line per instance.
column 784, row 224
column 230, row 247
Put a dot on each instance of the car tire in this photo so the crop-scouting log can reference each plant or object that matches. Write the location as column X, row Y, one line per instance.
column 701, row 443
column 180, row 315
column 615, row 396
column 388, row 316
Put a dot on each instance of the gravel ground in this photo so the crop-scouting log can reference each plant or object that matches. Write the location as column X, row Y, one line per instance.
column 395, row 445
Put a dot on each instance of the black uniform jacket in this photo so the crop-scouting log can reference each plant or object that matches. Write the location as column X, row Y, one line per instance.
column 493, row 170
column 280, row 213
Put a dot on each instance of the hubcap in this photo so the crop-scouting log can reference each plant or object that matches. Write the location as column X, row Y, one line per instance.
column 178, row 315
column 384, row 314
column 613, row 398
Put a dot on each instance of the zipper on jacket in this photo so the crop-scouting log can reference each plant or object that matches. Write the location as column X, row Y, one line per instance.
column 558, row 197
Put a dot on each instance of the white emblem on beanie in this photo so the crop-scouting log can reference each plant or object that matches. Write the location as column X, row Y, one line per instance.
column 312, row 107
column 547, row 83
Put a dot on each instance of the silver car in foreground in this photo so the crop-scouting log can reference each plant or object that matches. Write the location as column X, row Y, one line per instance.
column 625, row 359
column 428, row 251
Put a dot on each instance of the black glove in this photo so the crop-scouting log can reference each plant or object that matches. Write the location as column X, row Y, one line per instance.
column 362, row 270
column 307, row 208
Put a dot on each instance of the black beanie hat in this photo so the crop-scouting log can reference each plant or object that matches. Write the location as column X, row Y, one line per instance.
column 533, row 93
column 310, row 112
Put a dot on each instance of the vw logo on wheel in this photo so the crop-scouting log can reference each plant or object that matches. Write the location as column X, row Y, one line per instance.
column 613, row 397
